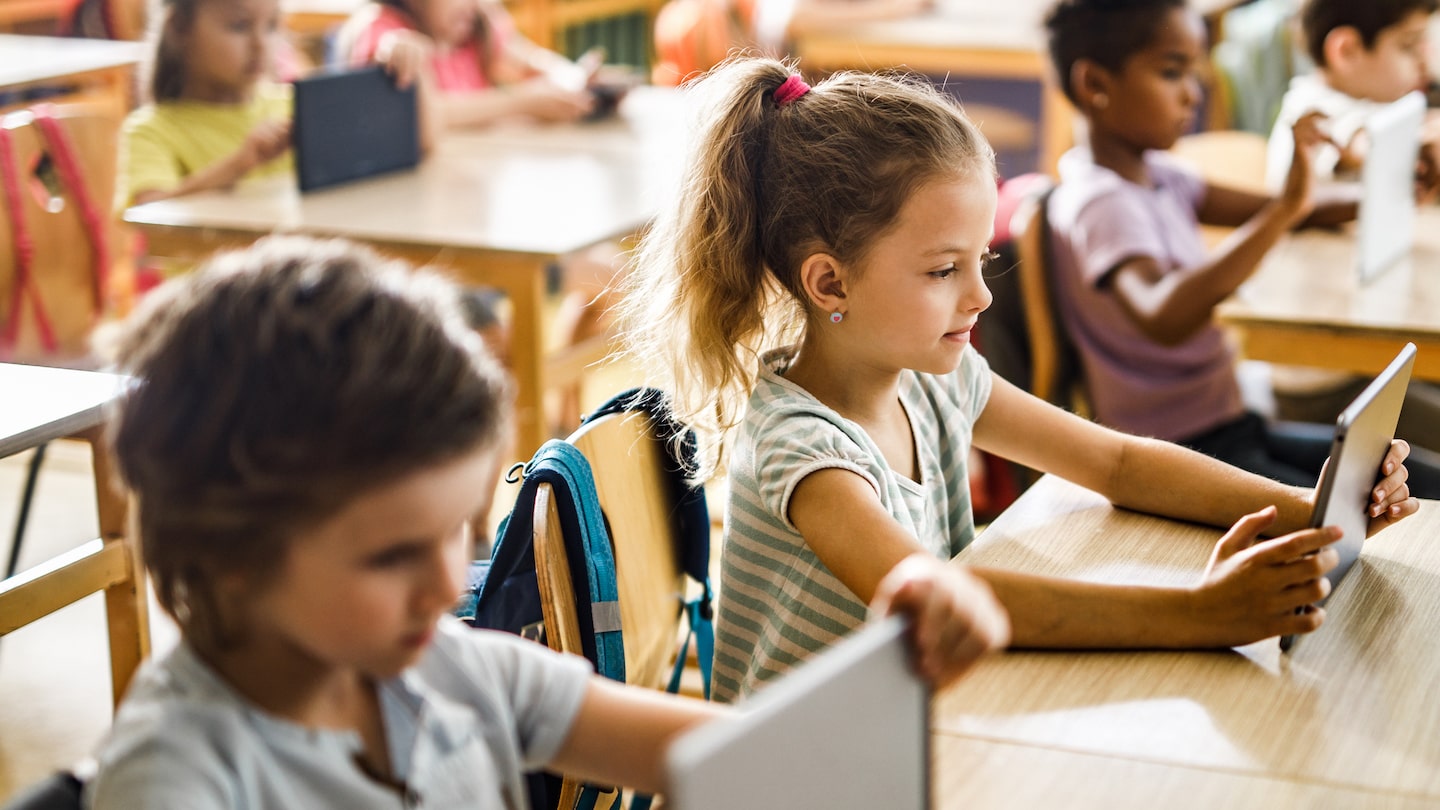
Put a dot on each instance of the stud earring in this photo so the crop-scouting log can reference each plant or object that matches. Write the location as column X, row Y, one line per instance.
column 837, row 316
column 1101, row 101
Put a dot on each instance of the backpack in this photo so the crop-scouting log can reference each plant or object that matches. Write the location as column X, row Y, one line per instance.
column 504, row 594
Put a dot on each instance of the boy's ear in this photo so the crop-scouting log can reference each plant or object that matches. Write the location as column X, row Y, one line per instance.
column 1091, row 83
column 1342, row 45
column 825, row 281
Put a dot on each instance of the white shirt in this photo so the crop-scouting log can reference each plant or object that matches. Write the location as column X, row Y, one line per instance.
column 1346, row 116
column 462, row 726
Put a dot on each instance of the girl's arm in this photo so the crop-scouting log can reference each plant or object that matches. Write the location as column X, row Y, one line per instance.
column 1158, row 477
column 265, row 143
column 1251, row 592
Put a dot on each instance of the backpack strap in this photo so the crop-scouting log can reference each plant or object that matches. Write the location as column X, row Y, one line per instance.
column 24, row 286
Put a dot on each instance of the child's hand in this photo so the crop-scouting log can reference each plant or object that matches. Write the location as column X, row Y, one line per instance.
column 1255, row 588
column 1390, row 500
column 1298, row 193
column 266, row 142
column 405, row 55
column 543, row 100
column 955, row 617
column 1427, row 173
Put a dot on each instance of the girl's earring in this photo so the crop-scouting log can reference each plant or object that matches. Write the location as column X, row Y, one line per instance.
column 1101, row 101
column 837, row 316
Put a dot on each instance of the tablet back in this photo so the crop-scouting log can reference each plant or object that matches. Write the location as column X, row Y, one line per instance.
column 848, row 729
column 1386, row 229
column 352, row 124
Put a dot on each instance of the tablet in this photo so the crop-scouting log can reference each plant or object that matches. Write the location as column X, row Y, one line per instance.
column 1386, row 229
column 352, row 124
column 847, row 730
column 1363, row 433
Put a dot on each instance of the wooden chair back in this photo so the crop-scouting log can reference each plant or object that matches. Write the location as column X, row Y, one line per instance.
column 628, row 460
column 71, row 247
column 1054, row 367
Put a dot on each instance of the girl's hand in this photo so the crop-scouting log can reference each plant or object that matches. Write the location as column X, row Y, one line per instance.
column 405, row 55
column 543, row 100
column 1390, row 501
column 955, row 617
column 1254, row 588
column 266, row 142
column 1298, row 193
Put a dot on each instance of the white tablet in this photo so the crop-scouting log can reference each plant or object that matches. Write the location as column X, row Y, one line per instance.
column 848, row 730
column 1386, row 229
column 1363, row 433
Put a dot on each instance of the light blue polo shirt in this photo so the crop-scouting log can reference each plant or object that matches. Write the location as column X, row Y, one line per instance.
column 463, row 724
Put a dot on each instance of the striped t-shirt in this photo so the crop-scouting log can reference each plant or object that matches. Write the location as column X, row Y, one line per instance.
column 778, row 603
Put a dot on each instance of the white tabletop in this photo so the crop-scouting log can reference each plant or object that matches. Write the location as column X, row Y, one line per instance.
column 546, row 190
column 38, row 404
column 28, row 60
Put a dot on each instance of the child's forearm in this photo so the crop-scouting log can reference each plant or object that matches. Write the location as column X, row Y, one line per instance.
column 622, row 733
column 1162, row 478
column 1173, row 306
column 1053, row 613
column 478, row 109
column 221, row 175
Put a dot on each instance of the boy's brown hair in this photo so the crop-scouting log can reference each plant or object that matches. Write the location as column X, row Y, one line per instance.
column 272, row 388
column 1368, row 17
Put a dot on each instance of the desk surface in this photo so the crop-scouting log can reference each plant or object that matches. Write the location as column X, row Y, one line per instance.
column 550, row 191
column 1352, row 706
column 28, row 60
column 41, row 404
column 1306, row 305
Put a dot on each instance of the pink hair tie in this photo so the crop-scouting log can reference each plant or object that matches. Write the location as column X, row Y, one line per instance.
column 793, row 88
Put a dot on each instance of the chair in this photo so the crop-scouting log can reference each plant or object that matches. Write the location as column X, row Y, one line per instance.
column 61, row 403
column 628, row 460
column 1054, row 366
column 58, row 165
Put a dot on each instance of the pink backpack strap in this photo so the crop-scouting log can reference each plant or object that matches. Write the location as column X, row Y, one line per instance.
column 63, row 153
column 24, row 284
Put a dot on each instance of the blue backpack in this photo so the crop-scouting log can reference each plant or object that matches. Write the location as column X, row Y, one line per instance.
column 505, row 595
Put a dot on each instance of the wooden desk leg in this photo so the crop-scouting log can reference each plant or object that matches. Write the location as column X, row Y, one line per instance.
column 126, row 605
column 522, row 279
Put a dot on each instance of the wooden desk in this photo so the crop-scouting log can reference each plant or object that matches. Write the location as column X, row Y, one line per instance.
column 1306, row 306
column 96, row 66
column 976, row 38
column 38, row 405
column 1351, row 708
column 498, row 206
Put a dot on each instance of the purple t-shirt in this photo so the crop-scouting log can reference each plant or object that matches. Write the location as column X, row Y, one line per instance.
column 1098, row 221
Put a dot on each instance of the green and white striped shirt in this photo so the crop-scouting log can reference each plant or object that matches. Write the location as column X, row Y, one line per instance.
column 778, row 603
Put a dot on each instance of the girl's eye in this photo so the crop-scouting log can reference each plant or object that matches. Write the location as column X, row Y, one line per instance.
column 395, row 556
column 944, row 272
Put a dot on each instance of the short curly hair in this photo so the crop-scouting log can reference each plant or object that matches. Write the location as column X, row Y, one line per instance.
column 274, row 386
column 1106, row 32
